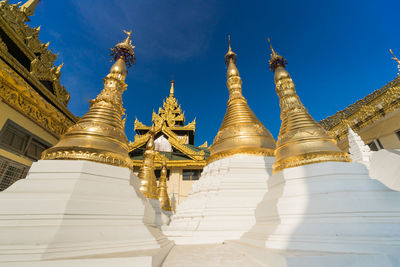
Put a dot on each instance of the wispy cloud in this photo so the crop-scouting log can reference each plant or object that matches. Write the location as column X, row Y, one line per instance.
column 178, row 30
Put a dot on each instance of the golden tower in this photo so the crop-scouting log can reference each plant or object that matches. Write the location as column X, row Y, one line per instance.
column 301, row 140
column 99, row 135
column 148, row 181
column 241, row 132
column 163, row 196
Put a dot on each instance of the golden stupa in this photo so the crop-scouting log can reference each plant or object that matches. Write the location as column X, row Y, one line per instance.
column 100, row 134
column 148, row 181
column 163, row 196
column 301, row 140
column 241, row 132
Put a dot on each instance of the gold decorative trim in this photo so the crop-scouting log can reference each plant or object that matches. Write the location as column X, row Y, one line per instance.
column 20, row 95
column 265, row 152
column 87, row 154
column 309, row 158
column 172, row 163
column 365, row 111
column 13, row 22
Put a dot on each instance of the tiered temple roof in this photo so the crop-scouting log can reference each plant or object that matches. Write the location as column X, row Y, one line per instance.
column 365, row 111
column 175, row 138
column 27, row 71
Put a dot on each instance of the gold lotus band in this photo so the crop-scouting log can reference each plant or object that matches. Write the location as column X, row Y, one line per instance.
column 87, row 154
column 264, row 152
column 309, row 158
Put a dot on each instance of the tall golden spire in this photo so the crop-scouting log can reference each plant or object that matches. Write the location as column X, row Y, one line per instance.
column 301, row 140
column 100, row 135
column 163, row 196
column 241, row 132
column 29, row 7
column 148, row 181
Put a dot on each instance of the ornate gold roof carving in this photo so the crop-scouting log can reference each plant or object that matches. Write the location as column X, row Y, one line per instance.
column 140, row 140
column 397, row 61
column 365, row 111
column 165, row 121
column 16, row 92
column 13, row 19
column 168, row 116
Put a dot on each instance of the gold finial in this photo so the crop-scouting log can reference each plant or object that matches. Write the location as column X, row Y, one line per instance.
column 29, row 7
column 240, row 132
column 301, row 140
column 397, row 60
column 99, row 135
column 124, row 50
column 172, row 90
column 230, row 55
column 162, row 190
column 270, row 46
column 276, row 60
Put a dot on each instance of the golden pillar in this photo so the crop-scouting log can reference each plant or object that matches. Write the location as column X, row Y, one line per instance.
column 148, row 181
column 241, row 132
column 301, row 140
column 100, row 134
column 163, row 196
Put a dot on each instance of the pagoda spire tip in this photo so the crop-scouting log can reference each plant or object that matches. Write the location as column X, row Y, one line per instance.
column 124, row 50
column 230, row 55
column 276, row 59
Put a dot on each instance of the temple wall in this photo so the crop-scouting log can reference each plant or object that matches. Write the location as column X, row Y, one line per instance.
column 384, row 129
column 27, row 124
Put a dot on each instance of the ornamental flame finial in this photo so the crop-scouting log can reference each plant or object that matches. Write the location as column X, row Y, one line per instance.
column 276, row 59
column 124, row 50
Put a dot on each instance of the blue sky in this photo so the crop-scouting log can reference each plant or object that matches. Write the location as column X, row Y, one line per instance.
column 337, row 52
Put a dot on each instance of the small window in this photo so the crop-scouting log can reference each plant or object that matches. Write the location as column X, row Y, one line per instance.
column 398, row 134
column 20, row 141
column 14, row 139
column 372, row 146
column 35, row 150
column 10, row 172
column 190, row 175
column 379, row 143
column 375, row 145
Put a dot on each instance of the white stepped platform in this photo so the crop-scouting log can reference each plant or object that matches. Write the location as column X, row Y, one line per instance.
column 221, row 204
column 78, row 213
column 385, row 166
column 326, row 214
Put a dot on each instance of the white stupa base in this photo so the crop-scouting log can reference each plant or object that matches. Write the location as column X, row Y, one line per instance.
column 385, row 166
column 78, row 213
column 330, row 210
column 158, row 220
column 221, row 204
column 298, row 258
column 166, row 218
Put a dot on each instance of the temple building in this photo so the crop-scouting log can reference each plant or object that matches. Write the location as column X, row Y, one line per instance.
column 33, row 103
column 174, row 142
column 375, row 118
